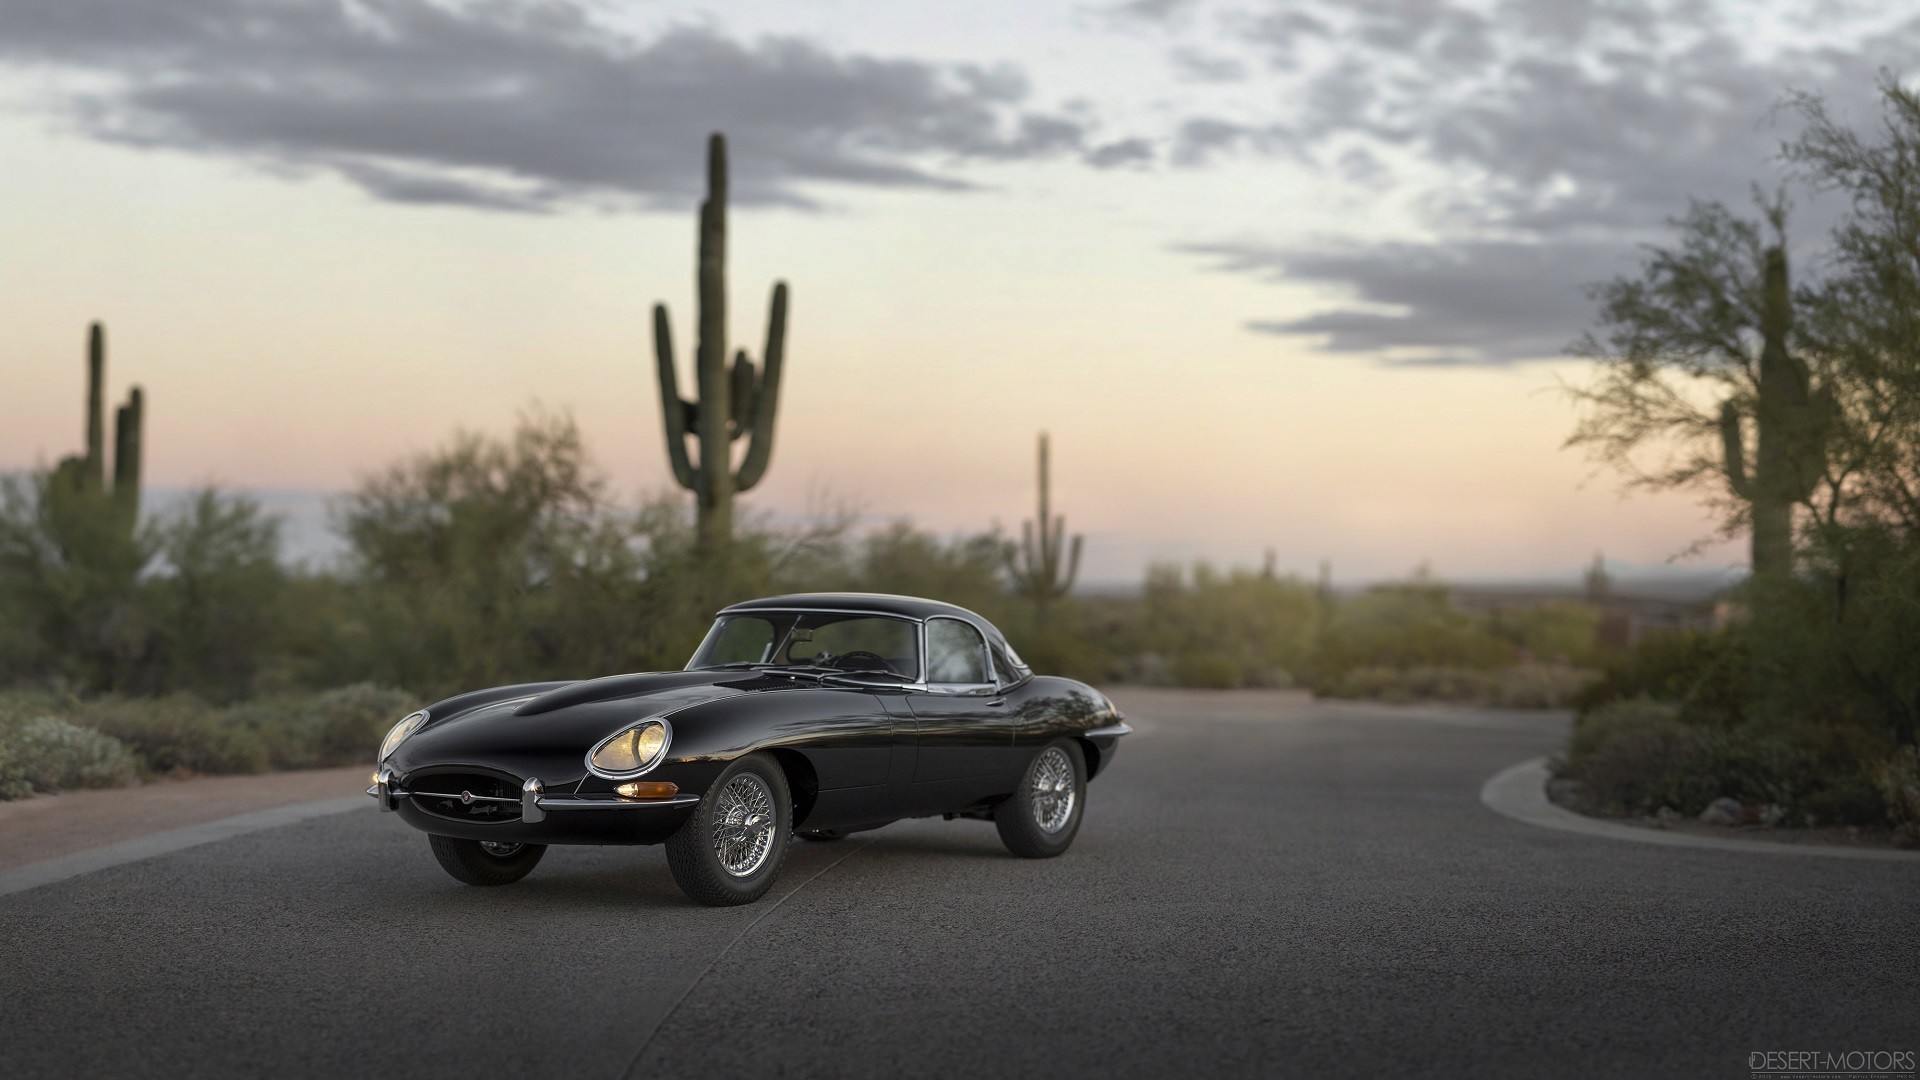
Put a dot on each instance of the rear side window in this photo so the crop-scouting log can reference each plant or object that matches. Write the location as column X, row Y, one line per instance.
column 1007, row 665
column 956, row 653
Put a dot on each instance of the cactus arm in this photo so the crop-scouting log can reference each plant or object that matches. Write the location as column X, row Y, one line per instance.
column 1735, row 448
column 677, row 413
column 96, row 415
column 1073, row 563
column 1055, row 546
column 740, row 393
column 1020, row 561
column 129, row 426
column 766, row 402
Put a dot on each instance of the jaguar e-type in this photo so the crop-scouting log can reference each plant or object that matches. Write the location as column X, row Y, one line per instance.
column 815, row 715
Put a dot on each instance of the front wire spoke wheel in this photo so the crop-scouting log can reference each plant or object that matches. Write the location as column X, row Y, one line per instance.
column 1053, row 790
column 1041, row 818
column 743, row 823
column 731, row 847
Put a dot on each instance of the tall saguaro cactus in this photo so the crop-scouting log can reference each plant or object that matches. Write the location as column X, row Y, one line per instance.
column 88, row 473
column 1036, row 563
column 734, row 402
column 1790, row 421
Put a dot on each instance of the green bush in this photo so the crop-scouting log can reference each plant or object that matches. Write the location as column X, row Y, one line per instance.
column 1699, row 673
column 345, row 725
column 1206, row 671
column 311, row 731
column 1638, row 756
column 1522, row 686
column 1537, row 686
column 1405, row 626
column 179, row 733
column 1899, row 783
column 1564, row 632
column 45, row 753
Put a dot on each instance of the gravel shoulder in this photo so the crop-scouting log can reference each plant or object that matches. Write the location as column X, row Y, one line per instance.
column 49, row 826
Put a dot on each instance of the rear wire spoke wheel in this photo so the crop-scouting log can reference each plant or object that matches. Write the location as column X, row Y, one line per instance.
column 731, row 848
column 1040, row 819
column 484, row 862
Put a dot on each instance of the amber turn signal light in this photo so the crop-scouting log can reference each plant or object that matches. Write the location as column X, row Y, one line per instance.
column 658, row 789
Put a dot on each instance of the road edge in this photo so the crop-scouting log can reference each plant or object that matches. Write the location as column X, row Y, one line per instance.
column 1520, row 792
column 66, row 867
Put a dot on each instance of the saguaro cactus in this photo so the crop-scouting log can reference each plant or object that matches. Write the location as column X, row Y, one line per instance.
column 733, row 401
column 1790, row 422
column 1035, row 563
column 89, row 472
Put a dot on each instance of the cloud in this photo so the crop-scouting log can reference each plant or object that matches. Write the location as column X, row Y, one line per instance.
column 1539, row 141
column 1199, row 140
column 1486, row 302
column 1151, row 11
column 521, row 104
column 1199, row 66
column 1122, row 152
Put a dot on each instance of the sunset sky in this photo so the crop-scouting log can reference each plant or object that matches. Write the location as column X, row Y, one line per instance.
column 1275, row 275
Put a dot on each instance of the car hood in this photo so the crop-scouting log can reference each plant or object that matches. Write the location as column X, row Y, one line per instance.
column 546, row 729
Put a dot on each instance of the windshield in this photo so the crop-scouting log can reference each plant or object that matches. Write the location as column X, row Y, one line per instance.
column 817, row 640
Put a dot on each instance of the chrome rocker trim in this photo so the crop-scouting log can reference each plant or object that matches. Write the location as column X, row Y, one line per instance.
column 534, row 801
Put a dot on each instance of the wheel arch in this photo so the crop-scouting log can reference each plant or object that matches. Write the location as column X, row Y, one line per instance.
column 1089, row 755
column 803, row 782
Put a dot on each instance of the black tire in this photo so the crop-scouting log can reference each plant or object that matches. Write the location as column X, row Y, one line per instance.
column 1019, row 815
column 472, row 862
column 693, row 853
column 821, row 836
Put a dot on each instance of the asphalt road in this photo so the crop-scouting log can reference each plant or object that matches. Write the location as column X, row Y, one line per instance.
column 1260, row 888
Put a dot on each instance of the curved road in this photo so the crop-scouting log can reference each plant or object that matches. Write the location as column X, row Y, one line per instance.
column 1262, row 887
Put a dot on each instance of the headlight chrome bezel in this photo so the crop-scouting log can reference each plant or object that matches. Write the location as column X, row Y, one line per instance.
column 660, row 755
column 400, row 732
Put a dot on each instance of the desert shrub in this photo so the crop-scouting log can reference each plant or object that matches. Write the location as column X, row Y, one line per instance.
column 48, row 754
column 178, row 733
column 1899, row 782
column 346, row 725
column 1632, row 756
column 312, row 731
column 1564, row 632
column 1222, row 629
column 1698, row 673
column 1413, row 625
column 1537, row 686
column 1405, row 685
column 1637, row 756
column 1521, row 686
column 1206, row 671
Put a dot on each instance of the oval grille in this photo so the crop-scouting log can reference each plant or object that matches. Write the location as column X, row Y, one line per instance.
column 474, row 797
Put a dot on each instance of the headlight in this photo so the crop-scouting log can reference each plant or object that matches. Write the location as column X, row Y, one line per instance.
column 631, row 752
column 399, row 734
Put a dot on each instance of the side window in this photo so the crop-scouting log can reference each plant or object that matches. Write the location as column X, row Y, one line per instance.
column 956, row 653
column 1005, row 668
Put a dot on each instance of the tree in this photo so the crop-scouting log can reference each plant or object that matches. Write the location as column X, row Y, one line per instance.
column 1707, row 339
column 1696, row 347
column 487, row 561
column 1859, row 604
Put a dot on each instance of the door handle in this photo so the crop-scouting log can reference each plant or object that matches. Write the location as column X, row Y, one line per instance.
column 996, row 703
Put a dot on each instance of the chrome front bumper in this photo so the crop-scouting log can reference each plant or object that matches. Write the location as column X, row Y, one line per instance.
column 534, row 801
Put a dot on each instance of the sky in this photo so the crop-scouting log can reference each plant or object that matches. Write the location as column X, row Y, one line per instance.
column 1275, row 275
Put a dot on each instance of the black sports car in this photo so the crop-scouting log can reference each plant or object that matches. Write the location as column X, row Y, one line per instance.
column 821, row 713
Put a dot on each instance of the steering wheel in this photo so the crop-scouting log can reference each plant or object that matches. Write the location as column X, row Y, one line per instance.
column 869, row 661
